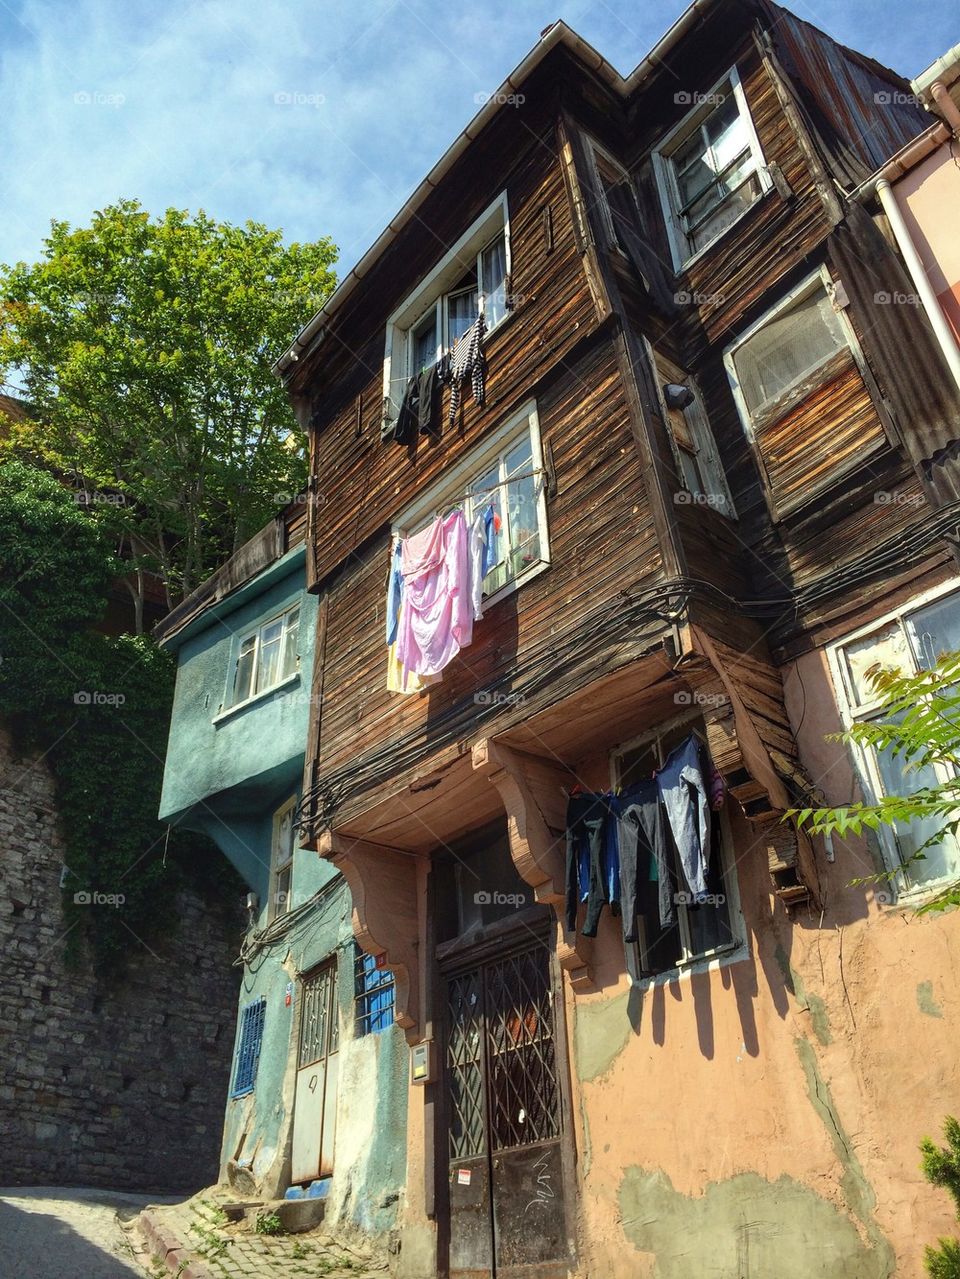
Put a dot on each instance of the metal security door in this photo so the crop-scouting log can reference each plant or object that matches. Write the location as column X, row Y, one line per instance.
column 507, row 1212
column 315, row 1101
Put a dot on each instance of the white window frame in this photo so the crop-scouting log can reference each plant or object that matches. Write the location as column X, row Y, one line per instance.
column 733, row 951
column 431, row 292
column 255, row 633
column 719, row 497
column 455, row 482
column 809, row 285
column 277, row 868
column 864, row 759
column 661, row 158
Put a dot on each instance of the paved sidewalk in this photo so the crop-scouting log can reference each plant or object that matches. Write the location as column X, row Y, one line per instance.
column 52, row 1232
column 193, row 1240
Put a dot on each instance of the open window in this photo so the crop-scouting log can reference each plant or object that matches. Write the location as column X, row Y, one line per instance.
column 266, row 657
column 910, row 640
column 471, row 277
column 699, row 469
column 710, row 169
column 703, row 929
column 507, row 474
column 797, row 379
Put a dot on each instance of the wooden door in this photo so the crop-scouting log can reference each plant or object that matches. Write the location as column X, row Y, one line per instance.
column 315, row 1100
column 507, row 1206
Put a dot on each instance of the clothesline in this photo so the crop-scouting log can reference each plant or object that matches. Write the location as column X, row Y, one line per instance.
column 512, row 479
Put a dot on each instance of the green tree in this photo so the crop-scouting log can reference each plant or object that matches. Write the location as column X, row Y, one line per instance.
column 919, row 723
column 941, row 1167
column 98, row 707
column 145, row 348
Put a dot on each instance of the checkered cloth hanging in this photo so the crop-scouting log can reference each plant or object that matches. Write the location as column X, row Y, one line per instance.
column 466, row 361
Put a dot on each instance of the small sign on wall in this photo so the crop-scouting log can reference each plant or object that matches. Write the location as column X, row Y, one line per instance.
column 288, row 995
column 463, row 1176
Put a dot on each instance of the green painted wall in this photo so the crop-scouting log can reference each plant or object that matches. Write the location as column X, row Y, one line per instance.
column 226, row 775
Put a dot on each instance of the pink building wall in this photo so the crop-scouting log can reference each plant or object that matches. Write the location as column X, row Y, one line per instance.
column 929, row 197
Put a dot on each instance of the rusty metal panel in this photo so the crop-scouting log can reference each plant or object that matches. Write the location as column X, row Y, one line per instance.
column 528, row 1212
column 471, row 1218
column 862, row 111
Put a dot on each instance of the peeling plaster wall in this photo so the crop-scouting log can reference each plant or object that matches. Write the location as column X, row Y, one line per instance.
column 369, row 1154
column 764, row 1117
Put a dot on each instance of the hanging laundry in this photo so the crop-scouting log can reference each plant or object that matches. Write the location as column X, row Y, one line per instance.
column 592, row 853
column 418, row 409
column 483, row 555
column 400, row 680
column 394, row 590
column 682, row 786
column 467, row 361
column 437, row 616
column 716, row 787
column 644, row 854
column 491, row 525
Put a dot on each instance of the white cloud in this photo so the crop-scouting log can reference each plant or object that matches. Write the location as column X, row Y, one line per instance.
column 180, row 103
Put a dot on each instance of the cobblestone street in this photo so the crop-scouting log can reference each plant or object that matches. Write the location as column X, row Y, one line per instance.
column 54, row 1233
column 195, row 1235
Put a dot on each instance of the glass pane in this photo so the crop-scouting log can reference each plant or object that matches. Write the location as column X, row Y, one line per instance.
column 284, row 837
column 268, row 667
column 291, row 632
column 522, row 502
column 725, row 213
column 787, row 348
column 934, row 630
column 888, row 647
column 898, row 778
column 424, row 346
column 723, row 189
column 281, row 894
column 726, row 132
column 462, row 310
column 243, row 679
column 493, row 281
column 691, row 472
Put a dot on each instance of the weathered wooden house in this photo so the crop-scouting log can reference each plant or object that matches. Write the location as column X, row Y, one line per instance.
column 723, row 475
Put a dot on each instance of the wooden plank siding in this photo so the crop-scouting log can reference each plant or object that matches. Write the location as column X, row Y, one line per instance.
column 602, row 544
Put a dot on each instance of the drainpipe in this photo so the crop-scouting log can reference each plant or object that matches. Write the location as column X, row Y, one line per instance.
column 931, row 304
column 945, row 104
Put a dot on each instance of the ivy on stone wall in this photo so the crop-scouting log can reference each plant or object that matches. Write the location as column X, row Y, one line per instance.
column 98, row 707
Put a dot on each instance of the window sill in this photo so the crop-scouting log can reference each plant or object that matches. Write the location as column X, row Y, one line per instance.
column 912, row 898
column 735, row 952
column 521, row 579
column 229, row 711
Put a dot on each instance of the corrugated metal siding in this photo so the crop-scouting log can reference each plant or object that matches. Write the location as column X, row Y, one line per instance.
column 862, row 112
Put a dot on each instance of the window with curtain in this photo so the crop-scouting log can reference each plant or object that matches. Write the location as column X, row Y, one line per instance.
column 788, row 349
column 266, row 657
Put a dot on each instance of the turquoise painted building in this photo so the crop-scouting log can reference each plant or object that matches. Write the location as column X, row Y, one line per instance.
column 318, row 1089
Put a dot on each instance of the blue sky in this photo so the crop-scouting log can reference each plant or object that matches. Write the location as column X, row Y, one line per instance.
column 318, row 118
